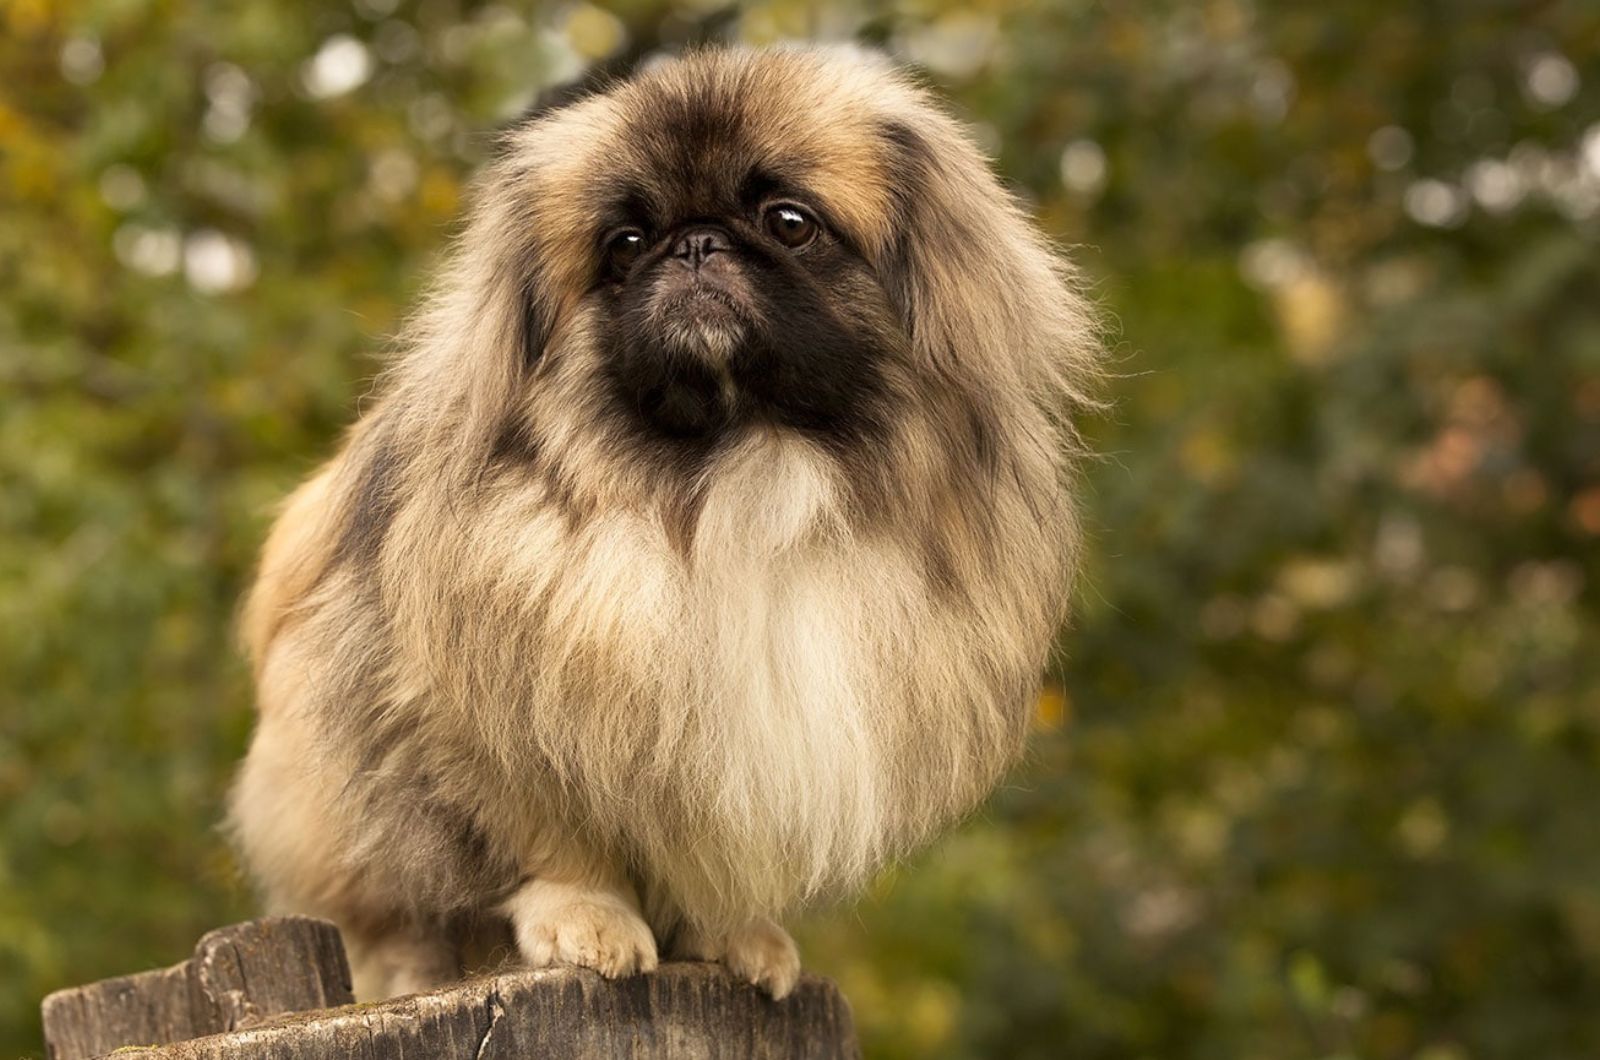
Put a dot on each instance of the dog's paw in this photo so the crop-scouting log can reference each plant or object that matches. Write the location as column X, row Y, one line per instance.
column 760, row 952
column 557, row 924
column 763, row 953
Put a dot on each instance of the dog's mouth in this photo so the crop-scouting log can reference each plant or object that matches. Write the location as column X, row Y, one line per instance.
column 704, row 321
column 682, row 379
column 704, row 360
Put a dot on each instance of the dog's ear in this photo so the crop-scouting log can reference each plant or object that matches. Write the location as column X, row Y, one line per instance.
column 506, row 221
column 483, row 330
column 976, row 286
column 946, row 264
column 502, row 266
column 914, row 220
column 538, row 313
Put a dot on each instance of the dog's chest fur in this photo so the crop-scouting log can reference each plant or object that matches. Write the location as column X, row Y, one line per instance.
column 748, row 719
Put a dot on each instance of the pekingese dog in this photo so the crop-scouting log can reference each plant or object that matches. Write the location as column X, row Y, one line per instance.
column 703, row 550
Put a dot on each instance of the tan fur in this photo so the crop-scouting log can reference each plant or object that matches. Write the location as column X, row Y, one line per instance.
column 590, row 694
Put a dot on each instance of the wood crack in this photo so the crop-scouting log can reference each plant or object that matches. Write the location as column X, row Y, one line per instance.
column 496, row 1010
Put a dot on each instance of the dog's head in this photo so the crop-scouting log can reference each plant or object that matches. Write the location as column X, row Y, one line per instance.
column 797, row 240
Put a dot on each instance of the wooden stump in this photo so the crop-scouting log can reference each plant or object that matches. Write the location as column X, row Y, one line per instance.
column 238, row 977
column 246, row 991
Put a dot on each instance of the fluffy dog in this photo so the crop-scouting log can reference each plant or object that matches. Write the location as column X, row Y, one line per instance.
column 703, row 549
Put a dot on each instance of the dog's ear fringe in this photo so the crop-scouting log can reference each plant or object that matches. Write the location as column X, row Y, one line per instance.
column 910, row 161
column 1037, row 305
column 535, row 326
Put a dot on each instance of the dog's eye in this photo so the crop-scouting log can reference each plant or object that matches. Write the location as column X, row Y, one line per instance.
column 791, row 225
column 623, row 249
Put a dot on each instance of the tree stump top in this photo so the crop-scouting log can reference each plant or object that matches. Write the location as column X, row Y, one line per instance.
column 280, row 988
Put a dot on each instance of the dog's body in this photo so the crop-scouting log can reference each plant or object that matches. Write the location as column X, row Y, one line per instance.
column 703, row 550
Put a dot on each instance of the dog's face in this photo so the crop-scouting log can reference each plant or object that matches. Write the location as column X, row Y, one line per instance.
column 724, row 242
column 728, row 294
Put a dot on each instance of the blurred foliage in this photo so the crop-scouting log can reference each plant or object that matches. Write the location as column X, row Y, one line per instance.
column 1322, row 774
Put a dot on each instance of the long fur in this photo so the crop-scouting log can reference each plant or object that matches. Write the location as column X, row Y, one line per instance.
column 499, row 633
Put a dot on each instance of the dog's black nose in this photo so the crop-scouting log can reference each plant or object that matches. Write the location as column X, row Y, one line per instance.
column 697, row 244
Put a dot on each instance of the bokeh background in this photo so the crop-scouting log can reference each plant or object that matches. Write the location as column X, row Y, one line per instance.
column 1319, row 773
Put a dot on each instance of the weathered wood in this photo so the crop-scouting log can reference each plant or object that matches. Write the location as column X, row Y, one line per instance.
column 90, row 1020
column 250, row 989
column 238, row 976
column 247, row 973
column 682, row 1011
